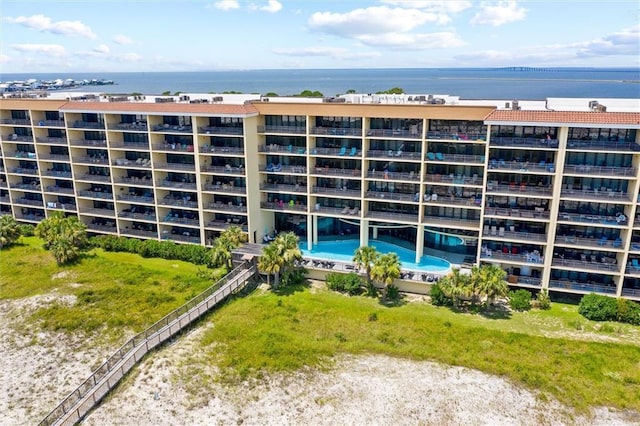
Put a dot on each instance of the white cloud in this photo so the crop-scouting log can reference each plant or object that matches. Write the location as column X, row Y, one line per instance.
column 399, row 41
column 128, row 57
column 103, row 48
column 324, row 51
column 44, row 49
column 372, row 20
column 500, row 13
column 438, row 6
column 226, row 5
column 44, row 24
column 625, row 42
column 272, row 6
column 122, row 39
column 5, row 59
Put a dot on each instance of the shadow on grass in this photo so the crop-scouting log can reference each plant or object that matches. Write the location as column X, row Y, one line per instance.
column 497, row 311
column 393, row 303
column 288, row 290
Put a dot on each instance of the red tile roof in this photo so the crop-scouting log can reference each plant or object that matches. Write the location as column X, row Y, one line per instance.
column 169, row 108
column 569, row 117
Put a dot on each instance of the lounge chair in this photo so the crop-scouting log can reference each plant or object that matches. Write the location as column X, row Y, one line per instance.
column 354, row 211
column 431, row 156
column 353, row 151
column 439, row 156
column 343, row 150
column 345, row 210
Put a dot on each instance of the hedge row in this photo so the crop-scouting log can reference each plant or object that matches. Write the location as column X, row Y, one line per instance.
column 169, row 250
column 604, row 308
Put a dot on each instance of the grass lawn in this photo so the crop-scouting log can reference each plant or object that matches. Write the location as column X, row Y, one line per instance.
column 121, row 291
column 270, row 332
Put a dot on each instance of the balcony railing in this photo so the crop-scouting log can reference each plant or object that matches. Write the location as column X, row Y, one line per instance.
column 282, row 149
column 90, row 160
column 176, row 166
column 284, row 206
column 595, row 145
column 392, row 216
column 389, row 196
column 283, row 187
column 16, row 121
column 234, row 150
column 523, row 142
column 226, row 207
column 51, row 123
column 130, row 145
column 231, row 170
column 633, row 292
column 584, row 169
column 61, row 206
column 519, row 189
column 510, row 257
column 59, row 190
column 21, row 154
column 224, row 224
column 581, row 287
column 178, row 202
column 23, row 171
column 589, row 242
column 138, row 126
column 172, row 129
column 394, row 154
column 149, row 217
column 19, row 138
column 526, row 281
column 389, row 133
column 28, row 202
column 456, row 136
column 538, row 213
column 282, row 129
column 453, row 179
column 585, row 264
column 193, row 239
column 177, row 147
column 136, row 198
column 89, row 142
column 102, row 228
column 221, row 130
column 513, row 235
column 52, row 140
column 171, row 184
column 455, row 158
column 592, row 219
column 87, row 125
column 451, row 221
column 26, row 186
column 181, row 221
column 232, row 189
column 332, row 131
column 94, row 178
column 285, row 169
column 522, row 166
column 136, row 181
column 98, row 212
column 140, row 233
column 398, row 176
column 95, row 194
column 595, row 194
column 54, row 157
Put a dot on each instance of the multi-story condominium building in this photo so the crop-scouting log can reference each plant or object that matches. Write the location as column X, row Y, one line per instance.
column 548, row 189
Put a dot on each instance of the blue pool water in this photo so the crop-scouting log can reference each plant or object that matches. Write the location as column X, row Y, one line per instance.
column 344, row 250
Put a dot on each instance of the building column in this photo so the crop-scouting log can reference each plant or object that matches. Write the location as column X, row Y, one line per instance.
column 419, row 243
column 314, row 230
column 364, row 233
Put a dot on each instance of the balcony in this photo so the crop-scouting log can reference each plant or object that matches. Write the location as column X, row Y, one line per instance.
column 283, row 187
column 94, row 227
column 27, row 202
column 224, row 224
column 23, row 171
column 389, row 196
column 16, row 121
column 513, row 189
column 282, row 129
column 21, row 154
column 168, row 128
column 99, row 212
column 607, row 195
column 62, row 206
column 87, row 125
column 95, row 194
column 185, row 237
column 530, row 258
column 225, row 188
column 136, row 181
column 503, row 234
column 130, row 145
column 278, row 168
column 52, row 140
column 89, row 142
column 389, row 133
column 226, row 207
column 172, row 184
column 94, row 178
column 332, row 131
column 136, row 127
column 451, row 200
column 444, row 221
column 59, row 190
column 592, row 265
column 91, row 160
column 233, row 150
column 178, row 202
column 537, row 213
column 589, row 242
column 51, row 123
column 173, row 147
column 584, row 169
column 221, row 130
column 394, row 176
column 480, row 137
column 232, row 170
column 524, row 281
column 522, row 166
column 593, row 219
column 18, row 138
column 140, row 233
column 149, row 217
column 523, row 142
column 181, row 221
column 596, row 145
column 453, row 179
column 394, row 154
column 136, row 199
column 284, row 206
column 455, row 158
column 392, row 216
column 55, row 157
column 631, row 292
column 176, row 166
column 581, row 287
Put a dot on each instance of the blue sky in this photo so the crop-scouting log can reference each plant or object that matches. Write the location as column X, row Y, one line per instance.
column 164, row 35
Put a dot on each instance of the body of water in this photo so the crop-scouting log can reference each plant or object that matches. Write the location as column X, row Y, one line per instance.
column 468, row 83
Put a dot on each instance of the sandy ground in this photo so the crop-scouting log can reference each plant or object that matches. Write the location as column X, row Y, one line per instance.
column 39, row 369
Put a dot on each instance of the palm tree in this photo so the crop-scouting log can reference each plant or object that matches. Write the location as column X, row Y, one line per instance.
column 280, row 255
column 9, row 231
column 269, row 263
column 491, row 282
column 64, row 235
column 364, row 258
column 456, row 285
column 386, row 270
column 223, row 246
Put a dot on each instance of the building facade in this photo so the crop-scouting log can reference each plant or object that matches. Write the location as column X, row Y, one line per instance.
column 548, row 190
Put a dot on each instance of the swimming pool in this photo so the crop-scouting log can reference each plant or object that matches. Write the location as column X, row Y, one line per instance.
column 343, row 251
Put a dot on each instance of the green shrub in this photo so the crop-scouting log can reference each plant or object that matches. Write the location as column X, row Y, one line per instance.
column 438, row 297
column 350, row 283
column 628, row 311
column 596, row 307
column 520, row 300
column 393, row 292
column 543, row 301
column 26, row 230
column 295, row 276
